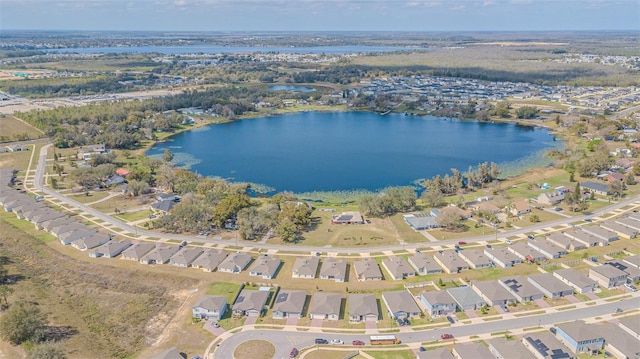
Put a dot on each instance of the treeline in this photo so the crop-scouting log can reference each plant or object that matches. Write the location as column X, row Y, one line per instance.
column 438, row 186
column 77, row 86
column 389, row 202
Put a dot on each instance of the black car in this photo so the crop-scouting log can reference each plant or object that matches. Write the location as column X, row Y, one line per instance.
column 321, row 341
column 450, row 319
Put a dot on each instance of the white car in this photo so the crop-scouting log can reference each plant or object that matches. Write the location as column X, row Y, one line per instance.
column 630, row 287
column 337, row 341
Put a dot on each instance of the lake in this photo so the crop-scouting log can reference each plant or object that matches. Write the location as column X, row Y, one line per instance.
column 328, row 151
column 289, row 88
column 216, row 49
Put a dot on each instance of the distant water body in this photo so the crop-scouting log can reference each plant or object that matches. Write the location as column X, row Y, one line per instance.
column 329, row 151
column 213, row 49
column 289, row 88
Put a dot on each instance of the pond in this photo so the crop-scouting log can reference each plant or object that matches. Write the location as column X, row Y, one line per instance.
column 329, row 151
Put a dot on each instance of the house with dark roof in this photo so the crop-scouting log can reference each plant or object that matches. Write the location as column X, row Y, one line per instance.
column 424, row 264
column 235, row 263
column 438, row 302
column 608, row 276
column 163, row 206
column 265, row 266
column 137, row 251
column 466, row 298
column 595, row 187
column 398, row 268
column 551, row 286
column 400, row 304
column 325, row 306
column 367, row 269
column 502, row 257
column 580, row 337
column 521, row 288
column 110, row 249
column 334, row 269
column 289, row 304
column 493, row 293
column 579, row 281
column 209, row 259
column 250, row 303
column 633, row 273
column 421, row 221
column 305, row 267
column 185, row 256
column 159, row 255
column 363, row 307
column 209, row 307
column 544, row 345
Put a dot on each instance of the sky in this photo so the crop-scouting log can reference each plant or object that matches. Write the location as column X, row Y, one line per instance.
column 320, row 15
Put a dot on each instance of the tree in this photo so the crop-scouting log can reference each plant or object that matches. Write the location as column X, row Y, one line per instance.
column 433, row 198
column 451, row 221
column 440, row 282
column 534, row 218
column 287, row 230
column 615, row 188
column 253, row 222
column 5, row 292
column 527, row 112
column 167, row 156
column 630, row 179
column 46, row 350
column 21, row 322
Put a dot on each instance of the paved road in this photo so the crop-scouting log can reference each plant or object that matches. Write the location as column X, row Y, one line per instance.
column 284, row 340
column 38, row 183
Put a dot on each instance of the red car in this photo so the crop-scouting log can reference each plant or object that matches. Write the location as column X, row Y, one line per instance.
column 462, row 243
column 357, row 342
column 446, row 336
column 294, row 353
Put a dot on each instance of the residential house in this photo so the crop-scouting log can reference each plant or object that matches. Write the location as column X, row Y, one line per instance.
column 398, row 268
column 565, row 242
column 621, row 227
column 519, row 208
column 325, row 306
column 600, row 232
column 438, row 353
column 466, row 298
column 137, row 251
column 633, row 273
column 521, row 288
column 551, row 286
column 305, row 267
column 476, row 258
column 265, row 266
column 502, row 257
column 453, row 209
column 544, row 345
column 580, row 337
column 579, row 281
column 334, row 269
column 209, row 259
column 209, row 307
column 49, row 215
column 159, row 255
column 450, row 261
column 619, row 342
column 363, row 307
column 163, row 206
column 634, row 261
column 185, row 256
column 172, row 353
column 27, row 210
column 110, row 249
column 235, row 263
column 114, row 180
column 400, row 304
column 615, row 177
column 631, row 325
column 70, row 236
column 17, row 202
column 493, row 293
column 92, row 241
column 526, row 253
column 49, row 225
column 471, row 351
column 367, row 269
column 66, row 227
column 349, row 217
column 289, row 304
column 250, row 303
column 550, row 198
column 421, row 221
column 438, row 302
column 485, row 207
column 608, row 276
column 424, row 264
column 631, row 223
column 595, row 188
column 501, row 348
column 547, row 248
column 586, row 239
column 85, row 152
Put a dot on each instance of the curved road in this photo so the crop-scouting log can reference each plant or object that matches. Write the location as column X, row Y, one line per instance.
column 284, row 340
column 38, row 183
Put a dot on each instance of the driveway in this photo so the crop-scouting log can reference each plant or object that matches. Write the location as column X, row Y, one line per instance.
column 370, row 324
column 292, row 321
column 317, row 323
column 591, row 295
column 541, row 303
column 251, row 320
column 572, row 299
column 471, row 313
column 208, row 326
column 499, row 309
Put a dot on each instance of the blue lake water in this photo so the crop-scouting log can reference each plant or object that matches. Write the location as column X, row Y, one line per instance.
column 216, row 49
column 327, row 151
column 289, row 88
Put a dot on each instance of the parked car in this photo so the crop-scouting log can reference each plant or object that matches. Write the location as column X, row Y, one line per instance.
column 422, row 349
column 294, row 353
column 357, row 342
column 462, row 243
column 152, row 216
column 406, row 321
column 617, row 310
column 337, row 342
column 630, row 287
column 508, row 242
column 216, row 325
column 450, row 319
column 505, row 308
column 588, row 220
column 321, row 341
column 446, row 336
column 552, row 330
column 183, row 244
column 489, row 246
column 531, row 237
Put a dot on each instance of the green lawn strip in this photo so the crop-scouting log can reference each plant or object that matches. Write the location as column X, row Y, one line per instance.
column 229, row 290
column 491, row 319
column 134, row 216
column 27, row 227
column 388, row 354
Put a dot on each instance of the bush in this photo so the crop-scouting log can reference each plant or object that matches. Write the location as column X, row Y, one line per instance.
column 22, row 322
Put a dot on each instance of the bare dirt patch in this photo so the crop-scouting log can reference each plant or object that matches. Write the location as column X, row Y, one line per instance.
column 255, row 349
